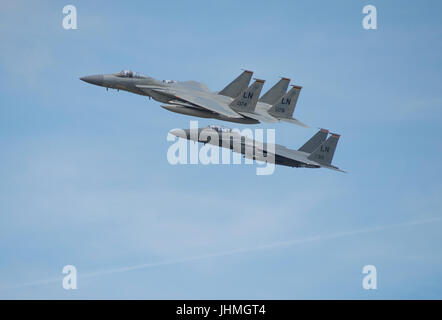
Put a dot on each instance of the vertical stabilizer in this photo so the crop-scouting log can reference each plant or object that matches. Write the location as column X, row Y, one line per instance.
column 324, row 153
column 246, row 102
column 238, row 85
column 314, row 141
column 286, row 105
column 276, row 92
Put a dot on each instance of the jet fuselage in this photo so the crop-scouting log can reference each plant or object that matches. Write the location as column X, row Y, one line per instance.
column 174, row 104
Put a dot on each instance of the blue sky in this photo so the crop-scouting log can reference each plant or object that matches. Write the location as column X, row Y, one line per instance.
column 84, row 178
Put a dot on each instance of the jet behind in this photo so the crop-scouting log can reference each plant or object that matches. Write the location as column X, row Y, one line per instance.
column 237, row 102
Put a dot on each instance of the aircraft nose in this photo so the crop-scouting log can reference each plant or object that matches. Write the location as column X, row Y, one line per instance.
column 179, row 133
column 94, row 79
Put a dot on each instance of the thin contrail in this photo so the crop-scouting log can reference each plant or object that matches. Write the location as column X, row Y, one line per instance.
column 232, row 252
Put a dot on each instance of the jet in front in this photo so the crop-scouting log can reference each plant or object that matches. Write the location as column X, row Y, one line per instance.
column 317, row 152
column 238, row 102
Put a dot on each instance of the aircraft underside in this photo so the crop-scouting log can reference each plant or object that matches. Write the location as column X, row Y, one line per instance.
column 292, row 163
column 204, row 113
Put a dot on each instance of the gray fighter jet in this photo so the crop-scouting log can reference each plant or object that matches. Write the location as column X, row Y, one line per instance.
column 237, row 102
column 315, row 153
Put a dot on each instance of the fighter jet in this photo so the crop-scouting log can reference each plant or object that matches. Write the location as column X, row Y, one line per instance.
column 237, row 102
column 317, row 152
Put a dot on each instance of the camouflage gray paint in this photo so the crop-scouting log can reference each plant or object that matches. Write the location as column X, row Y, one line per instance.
column 237, row 102
column 316, row 153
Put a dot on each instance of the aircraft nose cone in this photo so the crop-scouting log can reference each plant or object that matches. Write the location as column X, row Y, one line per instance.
column 179, row 133
column 95, row 79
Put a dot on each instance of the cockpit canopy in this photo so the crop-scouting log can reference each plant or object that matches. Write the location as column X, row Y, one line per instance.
column 129, row 74
column 169, row 81
column 219, row 129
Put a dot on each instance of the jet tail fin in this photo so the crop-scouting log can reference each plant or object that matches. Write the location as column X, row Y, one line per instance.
column 286, row 105
column 276, row 92
column 234, row 88
column 246, row 102
column 314, row 141
column 324, row 153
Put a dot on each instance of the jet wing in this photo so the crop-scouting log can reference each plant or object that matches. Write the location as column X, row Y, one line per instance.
column 200, row 99
column 209, row 104
column 190, row 84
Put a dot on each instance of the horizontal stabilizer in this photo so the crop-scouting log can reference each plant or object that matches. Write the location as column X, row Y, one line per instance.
column 260, row 117
column 294, row 121
column 333, row 168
